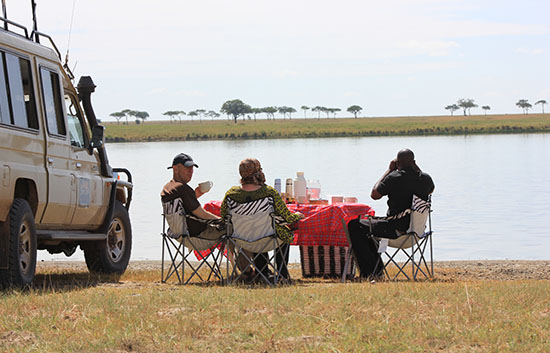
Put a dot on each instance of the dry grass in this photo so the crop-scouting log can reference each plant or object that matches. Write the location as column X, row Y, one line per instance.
column 69, row 310
column 298, row 128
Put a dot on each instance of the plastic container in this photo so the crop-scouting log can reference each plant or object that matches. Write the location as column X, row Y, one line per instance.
column 313, row 189
column 277, row 185
column 300, row 185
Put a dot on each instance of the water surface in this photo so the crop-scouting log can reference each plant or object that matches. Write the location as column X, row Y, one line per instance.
column 491, row 199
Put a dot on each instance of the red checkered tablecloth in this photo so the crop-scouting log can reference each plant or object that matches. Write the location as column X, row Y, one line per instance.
column 322, row 224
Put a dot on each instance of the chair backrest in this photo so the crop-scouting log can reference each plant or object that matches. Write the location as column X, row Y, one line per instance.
column 420, row 210
column 174, row 213
column 251, row 220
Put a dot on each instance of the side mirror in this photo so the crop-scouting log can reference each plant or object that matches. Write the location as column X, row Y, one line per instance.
column 98, row 137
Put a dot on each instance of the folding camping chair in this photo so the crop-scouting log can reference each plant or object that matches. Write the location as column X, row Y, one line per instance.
column 415, row 244
column 178, row 245
column 251, row 233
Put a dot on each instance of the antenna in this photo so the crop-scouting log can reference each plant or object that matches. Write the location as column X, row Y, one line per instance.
column 35, row 25
column 5, row 14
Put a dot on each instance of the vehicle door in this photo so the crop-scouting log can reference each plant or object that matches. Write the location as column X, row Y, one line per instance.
column 92, row 202
column 61, row 176
column 21, row 138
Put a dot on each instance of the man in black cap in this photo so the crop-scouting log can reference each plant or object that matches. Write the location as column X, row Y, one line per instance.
column 400, row 182
column 183, row 167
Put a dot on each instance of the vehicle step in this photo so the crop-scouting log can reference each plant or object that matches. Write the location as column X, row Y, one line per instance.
column 68, row 235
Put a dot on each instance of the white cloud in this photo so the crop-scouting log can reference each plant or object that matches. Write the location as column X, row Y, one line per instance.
column 432, row 48
column 529, row 51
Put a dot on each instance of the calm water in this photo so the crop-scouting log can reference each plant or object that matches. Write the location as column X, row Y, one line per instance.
column 491, row 199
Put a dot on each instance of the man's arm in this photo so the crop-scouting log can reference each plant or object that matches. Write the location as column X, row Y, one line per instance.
column 204, row 214
column 375, row 195
column 198, row 192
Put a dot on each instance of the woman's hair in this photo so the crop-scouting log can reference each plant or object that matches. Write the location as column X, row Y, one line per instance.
column 251, row 172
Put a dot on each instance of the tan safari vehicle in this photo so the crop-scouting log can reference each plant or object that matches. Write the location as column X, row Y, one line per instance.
column 57, row 189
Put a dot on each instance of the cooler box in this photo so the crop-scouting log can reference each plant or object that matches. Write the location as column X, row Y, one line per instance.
column 324, row 261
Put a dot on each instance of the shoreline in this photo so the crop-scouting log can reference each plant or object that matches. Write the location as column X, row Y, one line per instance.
column 261, row 129
column 454, row 270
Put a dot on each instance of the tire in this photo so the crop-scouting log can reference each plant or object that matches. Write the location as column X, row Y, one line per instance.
column 22, row 246
column 113, row 254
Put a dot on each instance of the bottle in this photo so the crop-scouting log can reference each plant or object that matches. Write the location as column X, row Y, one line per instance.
column 277, row 185
column 300, row 188
column 313, row 189
column 288, row 191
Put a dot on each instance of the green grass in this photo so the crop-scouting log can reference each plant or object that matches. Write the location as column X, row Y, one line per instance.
column 306, row 128
column 76, row 312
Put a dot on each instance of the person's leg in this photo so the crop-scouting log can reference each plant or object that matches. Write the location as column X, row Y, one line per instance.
column 281, row 258
column 364, row 249
column 261, row 263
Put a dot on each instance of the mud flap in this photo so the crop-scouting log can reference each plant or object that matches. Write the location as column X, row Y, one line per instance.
column 4, row 247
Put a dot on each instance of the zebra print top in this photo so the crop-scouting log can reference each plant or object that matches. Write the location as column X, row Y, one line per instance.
column 240, row 201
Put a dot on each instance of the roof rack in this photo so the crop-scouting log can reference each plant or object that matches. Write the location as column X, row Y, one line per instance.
column 6, row 22
column 35, row 37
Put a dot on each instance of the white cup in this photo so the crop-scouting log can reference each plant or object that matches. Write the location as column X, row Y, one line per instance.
column 205, row 186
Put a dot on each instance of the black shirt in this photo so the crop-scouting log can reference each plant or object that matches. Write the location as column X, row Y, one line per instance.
column 174, row 189
column 400, row 186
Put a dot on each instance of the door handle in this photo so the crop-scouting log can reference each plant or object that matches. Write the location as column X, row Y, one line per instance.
column 78, row 165
column 50, row 160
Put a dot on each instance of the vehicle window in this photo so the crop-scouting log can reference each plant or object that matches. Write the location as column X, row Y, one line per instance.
column 51, row 92
column 21, row 92
column 76, row 130
column 5, row 116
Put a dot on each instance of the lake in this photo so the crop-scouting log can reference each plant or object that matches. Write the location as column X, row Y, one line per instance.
column 491, row 199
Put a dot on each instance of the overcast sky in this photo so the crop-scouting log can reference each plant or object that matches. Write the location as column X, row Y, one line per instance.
column 393, row 58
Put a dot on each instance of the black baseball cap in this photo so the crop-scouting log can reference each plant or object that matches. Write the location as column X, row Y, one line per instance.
column 184, row 159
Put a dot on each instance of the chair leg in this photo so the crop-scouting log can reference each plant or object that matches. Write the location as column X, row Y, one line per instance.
column 347, row 264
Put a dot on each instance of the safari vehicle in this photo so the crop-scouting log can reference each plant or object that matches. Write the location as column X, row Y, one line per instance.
column 57, row 189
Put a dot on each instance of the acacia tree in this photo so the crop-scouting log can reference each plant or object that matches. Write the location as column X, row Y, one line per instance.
column 181, row 113
column 212, row 114
column 236, row 108
column 270, row 112
column 525, row 105
column 485, row 108
column 127, row 112
column 170, row 114
column 305, row 108
column 141, row 115
column 466, row 104
column 452, row 108
column 334, row 111
column 354, row 109
column 117, row 116
column 542, row 102
column 201, row 113
column 317, row 109
column 192, row 114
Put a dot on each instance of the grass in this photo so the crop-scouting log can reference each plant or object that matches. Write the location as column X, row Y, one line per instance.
column 74, row 311
column 300, row 128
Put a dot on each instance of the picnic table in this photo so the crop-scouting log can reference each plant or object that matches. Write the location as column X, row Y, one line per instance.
column 322, row 224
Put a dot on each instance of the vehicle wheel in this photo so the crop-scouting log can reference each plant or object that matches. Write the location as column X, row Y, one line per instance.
column 113, row 254
column 22, row 246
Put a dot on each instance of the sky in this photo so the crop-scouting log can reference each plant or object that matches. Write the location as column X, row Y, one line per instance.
column 393, row 58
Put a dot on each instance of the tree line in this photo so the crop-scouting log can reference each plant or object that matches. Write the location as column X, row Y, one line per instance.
column 466, row 104
column 234, row 109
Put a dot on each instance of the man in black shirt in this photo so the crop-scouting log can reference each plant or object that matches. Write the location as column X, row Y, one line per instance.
column 182, row 167
column 400, row 182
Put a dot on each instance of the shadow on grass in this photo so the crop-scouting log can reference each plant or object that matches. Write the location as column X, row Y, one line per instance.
column 46, row 283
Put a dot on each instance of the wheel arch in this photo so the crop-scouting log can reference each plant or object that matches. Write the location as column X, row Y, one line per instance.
column 26, row 189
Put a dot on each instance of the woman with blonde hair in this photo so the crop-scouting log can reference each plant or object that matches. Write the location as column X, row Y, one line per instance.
column 253, row 188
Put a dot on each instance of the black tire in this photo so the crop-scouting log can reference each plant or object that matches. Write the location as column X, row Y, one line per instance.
column 112, row 255
column 22, row 246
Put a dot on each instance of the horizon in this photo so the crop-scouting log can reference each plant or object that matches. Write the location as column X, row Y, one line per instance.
column 392, row 59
